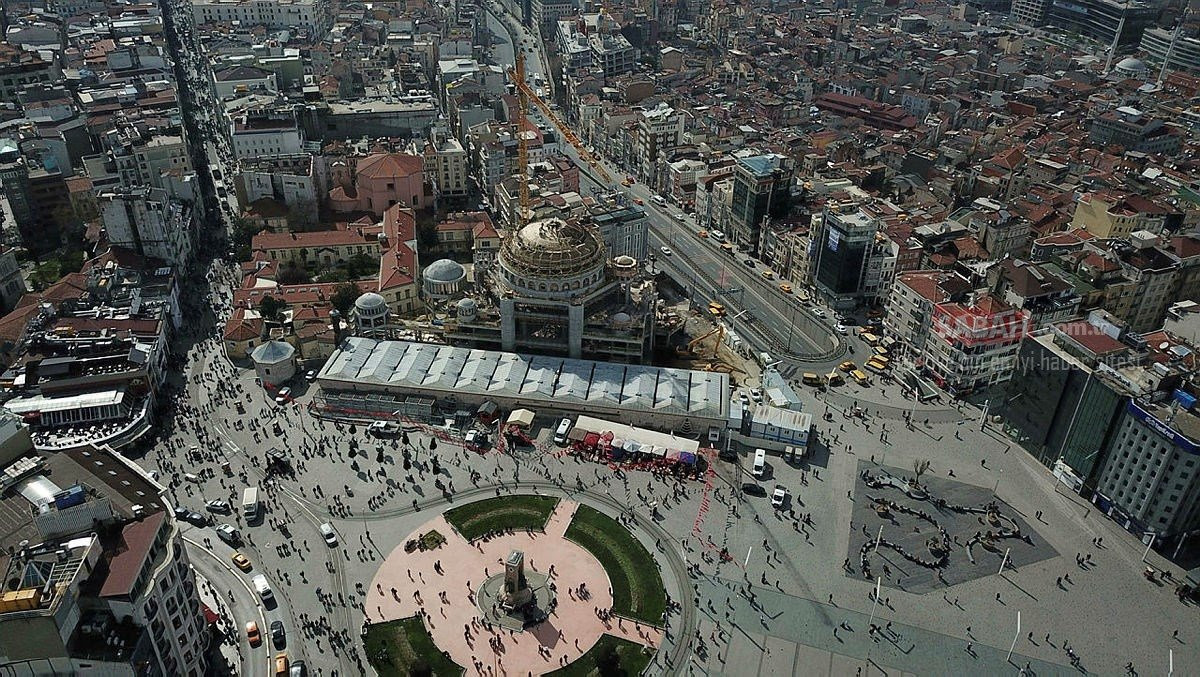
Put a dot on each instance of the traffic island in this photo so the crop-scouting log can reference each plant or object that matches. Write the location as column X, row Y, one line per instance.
column 498, row 515
column 404, row 648
column 508, row 592
column 637, row 587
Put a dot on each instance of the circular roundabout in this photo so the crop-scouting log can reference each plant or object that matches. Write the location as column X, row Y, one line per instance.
column 518, row 584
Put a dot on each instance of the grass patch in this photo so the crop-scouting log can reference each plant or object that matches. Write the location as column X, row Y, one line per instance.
column 610, row 657
column 403, row 648
column 497, row 514
column 637, row 586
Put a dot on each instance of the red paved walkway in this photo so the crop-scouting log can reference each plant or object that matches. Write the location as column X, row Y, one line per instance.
column 567, row 634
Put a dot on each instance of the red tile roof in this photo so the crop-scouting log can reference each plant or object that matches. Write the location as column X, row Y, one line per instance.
column 389, row 165
column 125, row 566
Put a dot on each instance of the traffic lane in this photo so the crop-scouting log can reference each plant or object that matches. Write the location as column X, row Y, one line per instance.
column 780, row 309
column 786, row 324
column 243, row 602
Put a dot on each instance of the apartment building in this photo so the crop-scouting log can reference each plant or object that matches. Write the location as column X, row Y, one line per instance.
column 311, row 14
column 100, row 580
column 148, row 221
column 973, row 344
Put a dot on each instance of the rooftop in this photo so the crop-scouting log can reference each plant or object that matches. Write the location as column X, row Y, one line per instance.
column 534, row 379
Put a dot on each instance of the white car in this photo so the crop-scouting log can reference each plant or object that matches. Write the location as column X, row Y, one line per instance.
column 778, row 496
column 716, row 235
column 840, row 328
column 383, row 428
column 283, row 395
column 666, row 251
column 818, row 312
column 328, row 534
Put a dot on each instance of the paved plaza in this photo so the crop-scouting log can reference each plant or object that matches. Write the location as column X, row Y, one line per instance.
column 776, row 602
column 910, row 528
column 442, row 582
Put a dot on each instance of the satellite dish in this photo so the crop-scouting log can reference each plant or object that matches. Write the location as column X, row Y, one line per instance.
column 1164, row 345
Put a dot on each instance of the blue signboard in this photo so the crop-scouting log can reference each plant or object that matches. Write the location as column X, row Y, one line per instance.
column 1152, row 422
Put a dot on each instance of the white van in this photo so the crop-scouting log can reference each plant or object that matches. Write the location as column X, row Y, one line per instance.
column 262, row 587
column 250, row 504
column 658, row 200
column 760, row 462
column 560, row 433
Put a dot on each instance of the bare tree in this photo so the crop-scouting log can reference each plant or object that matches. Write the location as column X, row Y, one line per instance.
column 919, row 467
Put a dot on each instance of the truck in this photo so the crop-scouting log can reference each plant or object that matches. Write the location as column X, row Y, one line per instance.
column 250, row 503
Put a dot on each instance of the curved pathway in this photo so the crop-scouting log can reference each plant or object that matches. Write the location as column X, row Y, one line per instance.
column 443, row 582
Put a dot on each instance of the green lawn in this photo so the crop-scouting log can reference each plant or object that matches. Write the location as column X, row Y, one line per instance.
column 403, row 648
column 610, row 657
column 506, row 512
column 637, row 587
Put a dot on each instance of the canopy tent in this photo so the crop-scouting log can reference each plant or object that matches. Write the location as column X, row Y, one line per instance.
column 521, row 417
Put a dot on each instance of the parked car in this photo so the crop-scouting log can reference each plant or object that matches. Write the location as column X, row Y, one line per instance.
column 241, row 561
column 197, row 518
column 219, row 507
column 778, row 496
column 310, row 375
column 753, row 489
column 383, row 428
column 283, row 395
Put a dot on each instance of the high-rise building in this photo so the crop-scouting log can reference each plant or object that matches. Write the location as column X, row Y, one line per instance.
column 149, row 222
column 1185, row 55
column 36, row 194
column 762, row 189
column 843, row 242
column 1151, row 474
column 1101, row 20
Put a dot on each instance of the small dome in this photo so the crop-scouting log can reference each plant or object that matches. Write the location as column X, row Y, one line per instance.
column 370, row 304
column 1131, row 64
column 467, row 304
column 444, row 270
column 273, row 352
column 621, row 318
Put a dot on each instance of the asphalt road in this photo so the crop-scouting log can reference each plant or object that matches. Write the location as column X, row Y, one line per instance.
column 776, row 322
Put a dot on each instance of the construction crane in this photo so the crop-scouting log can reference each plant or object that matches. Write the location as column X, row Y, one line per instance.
column 522, row 143
column 525, row 95
column 719, row 330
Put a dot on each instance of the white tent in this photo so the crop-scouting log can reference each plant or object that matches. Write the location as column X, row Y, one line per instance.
column 521, row 417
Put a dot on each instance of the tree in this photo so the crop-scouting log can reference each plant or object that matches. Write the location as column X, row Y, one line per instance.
column 302, row 215
column 919, row 467
column 271, row 309
column 292, row 273
column 344, row 296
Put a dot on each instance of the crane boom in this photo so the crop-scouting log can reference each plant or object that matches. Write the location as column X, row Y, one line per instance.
column 526, row 94
column 522, row 143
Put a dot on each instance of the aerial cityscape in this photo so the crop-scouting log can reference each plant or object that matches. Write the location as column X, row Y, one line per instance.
column 561, row 337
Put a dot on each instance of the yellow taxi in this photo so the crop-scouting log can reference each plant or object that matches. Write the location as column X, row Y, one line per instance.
column 768, row 275
column 785, row 288
column 627, row 183
column 241, row 561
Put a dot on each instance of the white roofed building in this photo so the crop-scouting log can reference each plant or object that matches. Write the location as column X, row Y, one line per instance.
column 463, row 378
